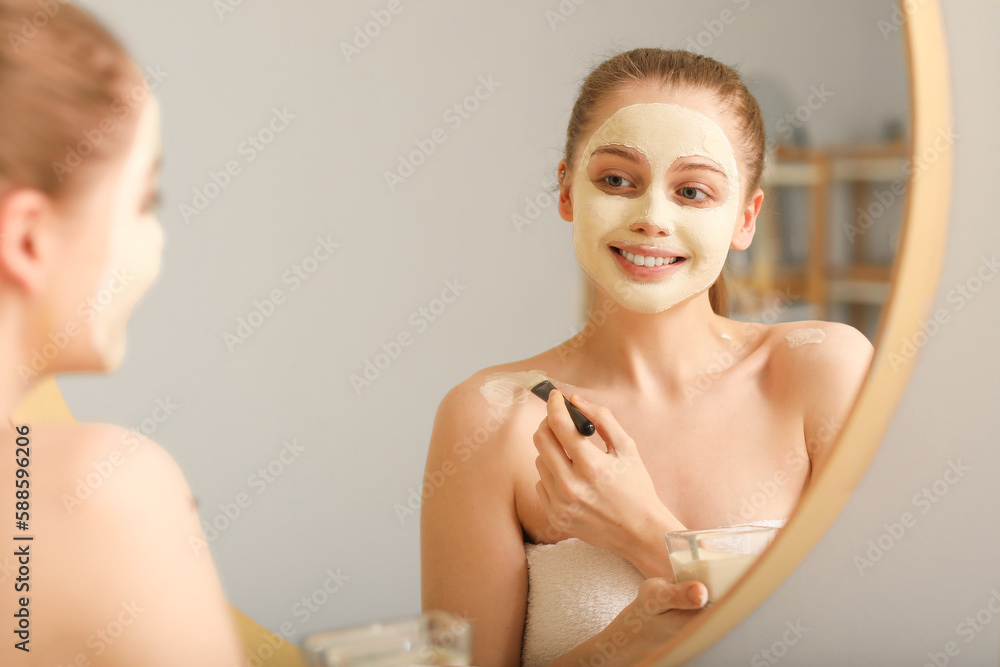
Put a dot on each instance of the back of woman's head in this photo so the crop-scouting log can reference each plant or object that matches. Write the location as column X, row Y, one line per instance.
column 63, row 79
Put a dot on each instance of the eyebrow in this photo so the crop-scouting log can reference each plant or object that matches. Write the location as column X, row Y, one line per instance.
column 620, row 152
column 690, row 166
column 684, row 166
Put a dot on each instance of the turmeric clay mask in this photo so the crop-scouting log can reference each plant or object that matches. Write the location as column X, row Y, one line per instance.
column 655, row 200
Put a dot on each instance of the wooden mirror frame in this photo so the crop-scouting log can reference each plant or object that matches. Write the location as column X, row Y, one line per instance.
column 914, row 284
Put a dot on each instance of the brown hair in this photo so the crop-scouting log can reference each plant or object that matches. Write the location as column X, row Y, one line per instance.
column 677, row 69
column 63, row 81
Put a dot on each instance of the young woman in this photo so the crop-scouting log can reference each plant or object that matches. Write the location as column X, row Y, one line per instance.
column 701, row 421
column 108, row 574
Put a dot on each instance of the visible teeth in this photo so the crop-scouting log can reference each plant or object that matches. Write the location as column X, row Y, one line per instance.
column 641, row 260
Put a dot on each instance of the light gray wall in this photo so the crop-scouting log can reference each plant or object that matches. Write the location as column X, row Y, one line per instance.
column 334, row 506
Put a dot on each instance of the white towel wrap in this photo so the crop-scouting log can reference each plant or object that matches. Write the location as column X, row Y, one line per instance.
column 574, row 591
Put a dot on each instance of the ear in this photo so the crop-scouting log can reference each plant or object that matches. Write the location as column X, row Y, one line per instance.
column 747, row 224
column 565, row 200
column 24, row 241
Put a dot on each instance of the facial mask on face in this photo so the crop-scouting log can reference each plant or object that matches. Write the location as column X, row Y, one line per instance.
column 135, row 244
column 662, row 133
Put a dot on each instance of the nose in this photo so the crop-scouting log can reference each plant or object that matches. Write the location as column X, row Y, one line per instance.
column 654, row 219
column 649, row 229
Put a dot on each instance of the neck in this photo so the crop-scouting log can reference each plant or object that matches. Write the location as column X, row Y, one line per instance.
column 13, row 353
column 651, row 353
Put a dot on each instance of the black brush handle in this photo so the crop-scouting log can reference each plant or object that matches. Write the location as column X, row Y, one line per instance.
column 583, row 425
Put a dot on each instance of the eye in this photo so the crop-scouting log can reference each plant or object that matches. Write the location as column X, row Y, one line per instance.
column 616, row 181
column 691, row 192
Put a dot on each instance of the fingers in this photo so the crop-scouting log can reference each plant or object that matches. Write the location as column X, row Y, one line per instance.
column 659, row 595
column 559, row 420
column 608, row 427
column 550, row 450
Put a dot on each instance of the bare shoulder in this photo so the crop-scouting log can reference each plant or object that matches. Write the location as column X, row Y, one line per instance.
column 482, row 435
column 819, row 369
column 815, row 359
column 107, row 464
column 114, row 485
column 129, row 545
column 491, row 403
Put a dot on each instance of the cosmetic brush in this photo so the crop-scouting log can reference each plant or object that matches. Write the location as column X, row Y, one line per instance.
column 541, row 387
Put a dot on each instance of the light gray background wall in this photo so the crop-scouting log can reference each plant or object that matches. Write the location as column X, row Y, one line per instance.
column 334, row 506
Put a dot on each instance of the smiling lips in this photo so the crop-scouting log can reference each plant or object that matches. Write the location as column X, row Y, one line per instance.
column 648, row 260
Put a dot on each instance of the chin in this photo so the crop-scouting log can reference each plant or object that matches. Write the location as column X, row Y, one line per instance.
column 112, row 356
column 645, row 306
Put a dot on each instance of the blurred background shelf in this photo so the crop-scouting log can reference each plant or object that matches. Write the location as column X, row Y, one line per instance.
column 837, row 195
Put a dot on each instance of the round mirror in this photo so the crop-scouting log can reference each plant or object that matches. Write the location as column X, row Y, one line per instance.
column 359, row 216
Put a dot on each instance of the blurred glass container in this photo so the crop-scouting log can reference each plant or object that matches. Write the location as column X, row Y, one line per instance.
column 717, row 557
column 433, row 638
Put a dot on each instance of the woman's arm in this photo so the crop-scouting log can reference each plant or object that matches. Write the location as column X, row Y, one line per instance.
column 827, row 377
column 472, row 557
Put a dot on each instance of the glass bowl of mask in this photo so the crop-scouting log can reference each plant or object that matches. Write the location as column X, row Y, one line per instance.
column 717, row 557
column 433, row 638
